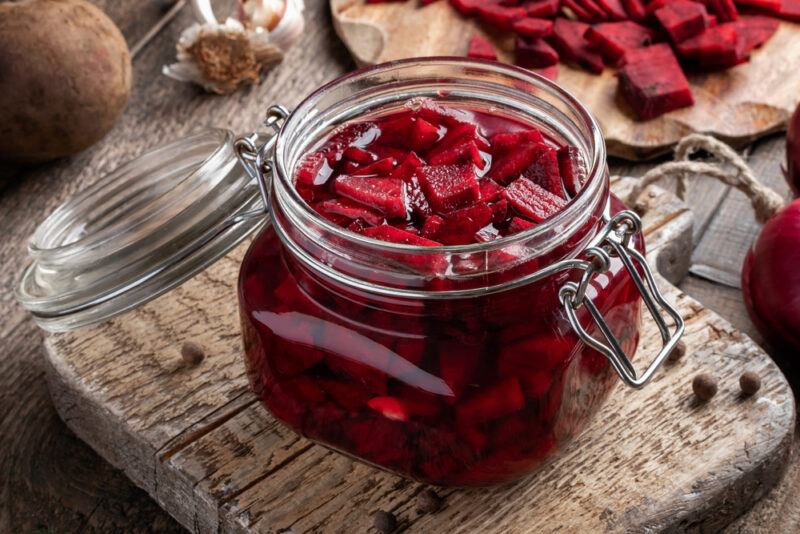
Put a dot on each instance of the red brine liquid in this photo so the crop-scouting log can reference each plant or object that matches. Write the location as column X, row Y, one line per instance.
column 456, row 391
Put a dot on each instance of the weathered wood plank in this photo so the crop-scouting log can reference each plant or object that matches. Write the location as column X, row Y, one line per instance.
column 218, row 461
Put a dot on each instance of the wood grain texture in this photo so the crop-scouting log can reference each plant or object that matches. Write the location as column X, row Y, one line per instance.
column 200, row 444
column 737, row 105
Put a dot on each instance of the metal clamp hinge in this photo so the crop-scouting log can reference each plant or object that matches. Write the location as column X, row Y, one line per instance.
column 255, row 158
column 614, row 242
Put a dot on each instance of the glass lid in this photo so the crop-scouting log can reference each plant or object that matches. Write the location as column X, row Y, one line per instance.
column 139, row 231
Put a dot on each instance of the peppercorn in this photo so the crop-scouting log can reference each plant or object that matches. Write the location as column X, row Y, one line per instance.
column 384, row 522
column 704, row 386
column 750, row 383
column 678, row 352
column 192, row 353
column 429, row 502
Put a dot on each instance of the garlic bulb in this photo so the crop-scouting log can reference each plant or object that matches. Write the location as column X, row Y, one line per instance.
column 223, row 57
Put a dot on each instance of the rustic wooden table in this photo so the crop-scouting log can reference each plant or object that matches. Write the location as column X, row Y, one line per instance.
column 49, row 480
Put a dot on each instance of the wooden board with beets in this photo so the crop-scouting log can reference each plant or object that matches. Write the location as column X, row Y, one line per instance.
column 650, row 72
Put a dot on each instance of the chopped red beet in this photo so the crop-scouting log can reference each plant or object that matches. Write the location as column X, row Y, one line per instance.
column 579, row 11
column 754, row 31
column 383, row 194
column 615, row 38
column 653, row 83
column 614, row 9
column 550, row 72
column 480, row 48
column 519, row 225
column 635, row 9
column 510, row 165
column 359, row 155
column 542, row 8
column 572, row 169
column 351, row 210
column 535, row 54
column 598, row 13
column 449, row 187
column 500, row 17
column 682, row 19
column 544, row 171
column 533, row 201
column 725, row 10
column 533, row 28
column 382, row 167
column 467, row 7
column 568, row 39
column 790, row 10
column 396, row 235
column 459, row 227
column 715, row 47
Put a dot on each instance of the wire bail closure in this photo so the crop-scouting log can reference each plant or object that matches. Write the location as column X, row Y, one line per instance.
column 254, row 158
column 614, row 242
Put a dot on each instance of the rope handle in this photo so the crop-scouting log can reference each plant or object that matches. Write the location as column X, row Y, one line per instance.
column 725, row 165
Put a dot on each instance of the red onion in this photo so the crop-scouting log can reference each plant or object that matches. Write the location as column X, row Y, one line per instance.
column 793, row 152
column 771, row 279
column 771, row 271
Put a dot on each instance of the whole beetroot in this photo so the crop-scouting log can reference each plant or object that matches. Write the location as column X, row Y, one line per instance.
column 65, row 77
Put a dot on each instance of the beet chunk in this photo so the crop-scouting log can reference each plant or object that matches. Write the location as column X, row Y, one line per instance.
column 614, row 9
column 480, row 48
column 635, row 9
column 383, row 194
column 653, row 83
column 542, row 8
column 615, row 38
column 449, row 187
column 754, row 31
column 500, row 17
column 534, row 54
column 533, row 28
column 725, row 9
column 568, row 39
column 572, row 169
column 533, row 201
column 715, row 47
column 682, row 19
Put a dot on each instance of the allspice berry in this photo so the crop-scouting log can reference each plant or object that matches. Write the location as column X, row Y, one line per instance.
column 428, row 502
column 704, row 386
column 384, row 522
column 192, row 353
column 750, row 383
column 678, row 352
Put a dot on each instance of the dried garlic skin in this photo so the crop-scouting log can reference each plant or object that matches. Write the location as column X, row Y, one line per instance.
column 224, row 57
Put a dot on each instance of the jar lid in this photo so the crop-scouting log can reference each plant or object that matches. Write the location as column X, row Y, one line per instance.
column 139, row 231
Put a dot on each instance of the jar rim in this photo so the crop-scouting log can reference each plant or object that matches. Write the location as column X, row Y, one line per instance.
column 595, row 171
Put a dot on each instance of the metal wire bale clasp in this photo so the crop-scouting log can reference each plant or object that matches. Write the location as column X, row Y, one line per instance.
column 614, row 242
column 255, row 158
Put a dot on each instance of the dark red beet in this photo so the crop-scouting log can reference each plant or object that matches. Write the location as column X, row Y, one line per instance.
column 383, row 194
column 635, row 9
column 614, row 9
column 519, row 225
column 550, row 72
column 467, row 7
column 790, row 10
column 382, row 167
column 653, row 83
column 544, row 172
column 568, row 40
column 542, row 8
column 572, row 169
column 534, row 54
column 615, row 38
column 724, row 9
column 597, row 12
column 579, row 11
column 532, row 201
column 715, row 47
column 533, row 28
column 449, row 187
column 754, row 31
column 682, row 19
column 351, row 210
column 500, row 17
column 480, row 48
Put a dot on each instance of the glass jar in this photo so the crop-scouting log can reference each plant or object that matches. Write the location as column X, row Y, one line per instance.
column 454, row 365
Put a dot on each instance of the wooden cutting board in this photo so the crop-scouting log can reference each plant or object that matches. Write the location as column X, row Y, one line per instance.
column 737, row 105
column 197, row 440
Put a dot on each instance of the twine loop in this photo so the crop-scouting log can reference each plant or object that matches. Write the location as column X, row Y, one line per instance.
column 724, row 164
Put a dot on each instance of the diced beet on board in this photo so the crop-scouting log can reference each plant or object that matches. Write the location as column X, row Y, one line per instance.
column 724, row 9
column 613, row 39
column 754, row 31
column 532, row 201
column 614, row 9
column 449, row 187
column 790, row 10
column 580, row 12
column 542, row 8
column 384, row 194
column 597, row 12
column 467, row 7
column 568, row 39
column 533, row 28
column 480, row 48
column 635, row 9
column 500, row 17
column 653, row 83
column 715, row 47
column 682, row 19
column 534, row 54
